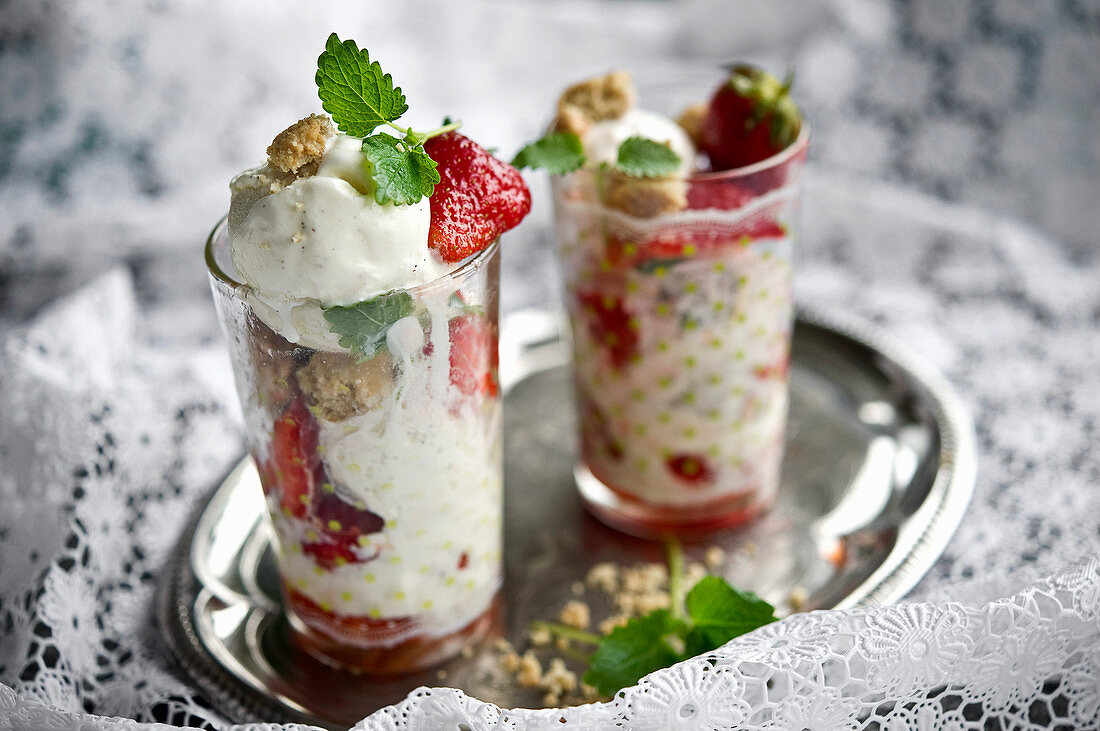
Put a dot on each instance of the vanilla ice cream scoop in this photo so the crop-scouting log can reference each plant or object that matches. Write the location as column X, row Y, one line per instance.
column 601, row 143
column 323, row 237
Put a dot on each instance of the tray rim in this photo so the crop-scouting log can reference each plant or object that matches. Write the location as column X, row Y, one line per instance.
column 914, row 552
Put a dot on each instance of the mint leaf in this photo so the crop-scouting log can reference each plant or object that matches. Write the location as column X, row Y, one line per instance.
column 558, row 153
column 719, row 613
column 642, row 645
column 362, row 327
column 354, row 90
column 402, row 173
column 642, row 158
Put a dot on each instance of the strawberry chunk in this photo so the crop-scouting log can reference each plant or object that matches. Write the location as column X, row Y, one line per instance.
column 297, row 467
column 708, row 240
column 690, row 468
column 751, row 117
column 478, row 197
column 611, row 324
column 722, row 195
column 474, row 355
column 330, row 554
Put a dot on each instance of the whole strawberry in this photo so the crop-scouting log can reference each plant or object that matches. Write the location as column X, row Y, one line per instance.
column 750, row 118
column 477, row 198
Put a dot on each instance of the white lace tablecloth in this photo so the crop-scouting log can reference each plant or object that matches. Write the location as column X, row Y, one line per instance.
column 118, row 414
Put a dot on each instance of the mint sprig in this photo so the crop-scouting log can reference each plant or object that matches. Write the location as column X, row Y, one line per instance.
column 712, row 614
column 354, row 90
column 643, row 158
column 402, row 172
column 557, row 152
column 362, row 327
column 361, row 97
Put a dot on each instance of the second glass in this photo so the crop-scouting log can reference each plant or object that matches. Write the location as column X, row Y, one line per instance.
column 681, row 328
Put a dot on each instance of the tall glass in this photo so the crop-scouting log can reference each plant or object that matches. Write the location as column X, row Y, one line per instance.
column 681, row 327
column 382, row 467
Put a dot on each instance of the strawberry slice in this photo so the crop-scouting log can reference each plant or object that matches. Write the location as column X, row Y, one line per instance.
column 750, row 118
column 474, row 355
column 723, row 195
column 611, row 324
column 330, row 554
column 691, row 468
column 709, row 239
column 296, row 464
column 478, row 197
column 343, row 521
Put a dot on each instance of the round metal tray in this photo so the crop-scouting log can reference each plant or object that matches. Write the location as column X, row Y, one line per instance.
column 878, row 472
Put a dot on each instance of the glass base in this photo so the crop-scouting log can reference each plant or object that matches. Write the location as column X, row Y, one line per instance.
column 652, row 520
column 416, row 653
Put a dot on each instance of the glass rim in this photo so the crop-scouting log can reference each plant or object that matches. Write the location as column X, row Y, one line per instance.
column 468, row 265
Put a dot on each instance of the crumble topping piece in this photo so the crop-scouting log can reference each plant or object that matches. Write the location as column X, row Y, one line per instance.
column 530, row 670
column 691, row 121
column 604, row 97
column 571, row 118
column 338, row 386
column 539, row 636
column 576, row 614
column 714, row 557
column 645, row 197
column 558, row 681
column 603, row 576
column 298, row 148
column 615, row 620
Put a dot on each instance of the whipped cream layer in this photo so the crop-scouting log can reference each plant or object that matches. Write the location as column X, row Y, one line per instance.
column 323, row 240
column 601, row 143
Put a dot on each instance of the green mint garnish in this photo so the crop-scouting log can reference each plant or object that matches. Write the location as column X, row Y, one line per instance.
column 354, row 90
column 558, row 153
column 644, row 644
column 403, row 173
column 362, row 327
column 720, row 612
column 360, row 98
column 712, row 614
column 642, row 158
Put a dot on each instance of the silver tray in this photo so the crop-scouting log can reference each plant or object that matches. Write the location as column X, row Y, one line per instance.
column 879, row 469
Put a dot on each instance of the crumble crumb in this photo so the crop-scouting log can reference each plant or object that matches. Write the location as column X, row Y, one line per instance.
column 300, row 144
column 645, row 603
column 577, row 588
column 691, row 121
column 645, row 578
column 615, row 620
column 604, row 97
column 539, row 636
column 340, row 386
column 530, row 670
column 441, row 674
column 645, row 197
column 562, row 643
column 467, row 652
column 558, row 679
column 576, row 614
column 501, row 644
column 714, row 557
column 571, row 118
column 510, row 661
column 693, row 575
column 604, row 576
column 797, row 598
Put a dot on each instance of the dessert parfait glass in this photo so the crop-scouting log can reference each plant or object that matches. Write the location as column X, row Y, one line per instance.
column 681, row 329
column 380, row 462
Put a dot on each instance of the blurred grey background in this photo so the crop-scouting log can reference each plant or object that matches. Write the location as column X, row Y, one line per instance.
column 122, row 121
